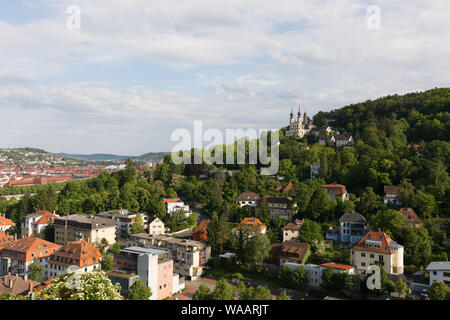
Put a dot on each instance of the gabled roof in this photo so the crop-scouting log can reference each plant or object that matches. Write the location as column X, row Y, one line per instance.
column 439, row 266
column 28, row 246
column 251, row 224
column 288, row 187
column 5, row 239
column 16, row 285
column 278, row 199
column 202, row 226
column 410, row 215
column 294, row 226
column 6, row 222
column 79, row 251
column 340, row 189
column 248, row 196
column 166, row 200
column 392, row 190
column 46, row 217
column 386, row 244
column 352, row 217
column 292, row 250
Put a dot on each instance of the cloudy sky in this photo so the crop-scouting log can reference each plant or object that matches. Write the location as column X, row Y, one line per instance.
column 136, row 70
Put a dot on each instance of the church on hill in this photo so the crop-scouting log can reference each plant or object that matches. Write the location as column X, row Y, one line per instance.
column 300, row 127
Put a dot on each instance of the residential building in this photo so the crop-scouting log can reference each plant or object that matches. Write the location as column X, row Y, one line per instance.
column 248, row 199
column 352, row 228
column 17, row 256
column 300, row 127
column 124, row 220
column 314, row 272
column 79, row 256
column 201, row 234
column 291, row 230
column 376, row 247
column 288, row 188
column 35, row 223
column 6, row 223
column 189, row 257
column 156, row 226
column 392, row 195
column 280, row 207
column 333, row 190
column 290, row 251
column 324, row 129
column 439, row 271
column 343, row 139
column 80, row 227
column 249, row 227
column 327, row 140
column 176, row 205
column 314, row 170
column 411, row 217
column 13, row 284
column 154, row 268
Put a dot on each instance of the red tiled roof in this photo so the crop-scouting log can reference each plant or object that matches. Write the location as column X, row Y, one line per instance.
column 375, row 236
column 340, row 189
column 410, row 215
column 6, row 222
column 81, row 253
column 47, row 217
column 338, row 266
column 392, row 190
column 248, row 196
column 171, row 200
column 251, row 223
column 28, row 246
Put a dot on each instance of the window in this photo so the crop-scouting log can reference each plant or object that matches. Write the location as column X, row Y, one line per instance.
column 363, row 254
column 380, row 258
column 363, row 264
column 372, row 255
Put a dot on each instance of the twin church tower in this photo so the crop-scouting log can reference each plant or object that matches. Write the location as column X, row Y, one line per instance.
column 301, row 127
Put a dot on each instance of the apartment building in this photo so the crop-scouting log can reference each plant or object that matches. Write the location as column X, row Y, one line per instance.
column 376, row 247
column 17, row 256
column 80, row 256
column 314, row 272
column 154, row 268
column 124, row 220
column 77, row 227
column 189, row 257
column 352, row 228
column 36, row 223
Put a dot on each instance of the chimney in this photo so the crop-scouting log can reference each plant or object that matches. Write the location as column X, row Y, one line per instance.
column 10, row 284
column 25, row 277
column 15, row 236
column 31, row 287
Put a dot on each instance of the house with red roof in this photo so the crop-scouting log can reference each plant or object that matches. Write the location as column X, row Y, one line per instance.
column 35, row 223
column 5, row 239
column 6, row 223
column 411, row 217
column 201, row 234
column 314, row 272
column 249, row 227
column 377, row 248
column 248, row 199
column 334, row 189
column 291, row 230
column 17, row 256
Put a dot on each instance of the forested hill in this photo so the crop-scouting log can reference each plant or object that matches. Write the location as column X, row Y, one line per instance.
column 424, row 115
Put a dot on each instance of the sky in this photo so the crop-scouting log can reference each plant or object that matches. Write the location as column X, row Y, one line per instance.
column 135, row 71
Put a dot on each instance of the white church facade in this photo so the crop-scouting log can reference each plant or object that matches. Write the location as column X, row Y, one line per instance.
column 300, row 127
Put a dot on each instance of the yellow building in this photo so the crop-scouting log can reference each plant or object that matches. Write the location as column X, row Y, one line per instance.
column 89, row 228
column 376, row 247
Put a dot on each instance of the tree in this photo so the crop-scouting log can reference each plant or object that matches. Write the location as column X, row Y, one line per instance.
column 93, row 285
column 218, row 232
column 9, row 296
column 256, row 249
column 139, row 291
column 107, row 262
column 283, row 296
column 258, row 293
column 36, row 271
column 102, row 245
column 138, row 225
column 327, row 278
column 310, row 231
column 223, row 291
column 299, row 277
column 438, row 291
column 400, row 286
column 202, row 293
column 116, row 248
column 417, row 245
column 286, row 275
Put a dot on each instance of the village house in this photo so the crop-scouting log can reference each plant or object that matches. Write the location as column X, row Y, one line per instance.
column 352, row 228
column 343, row 140
column 439, row 271
column 80, row 227
column 333, row 190
column 291, row 230
column 249, row 227
column 79, row 256
column 412, row 220
column 376, row 247
column 290, row 251
column 392, row 195
column 280, row 207
column 324, row 129
column 314, row 272
column 327, row 140
column 6, row 223
column 17, row 256
column 189, row 256
column 156, row 226
column 248, row 199
column 35, row 223
column 124, row 220
column 201, row 233
column 176, row 205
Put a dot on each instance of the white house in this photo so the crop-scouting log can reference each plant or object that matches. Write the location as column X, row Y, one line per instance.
column 439, row 271
column 248, row 199
column 174, row 205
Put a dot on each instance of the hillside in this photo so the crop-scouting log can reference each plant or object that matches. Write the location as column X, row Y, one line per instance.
column 114, row 157
column 33, row 157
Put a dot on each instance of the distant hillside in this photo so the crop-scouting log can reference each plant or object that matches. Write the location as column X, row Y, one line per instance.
column 33, row 156
column 114, row 157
